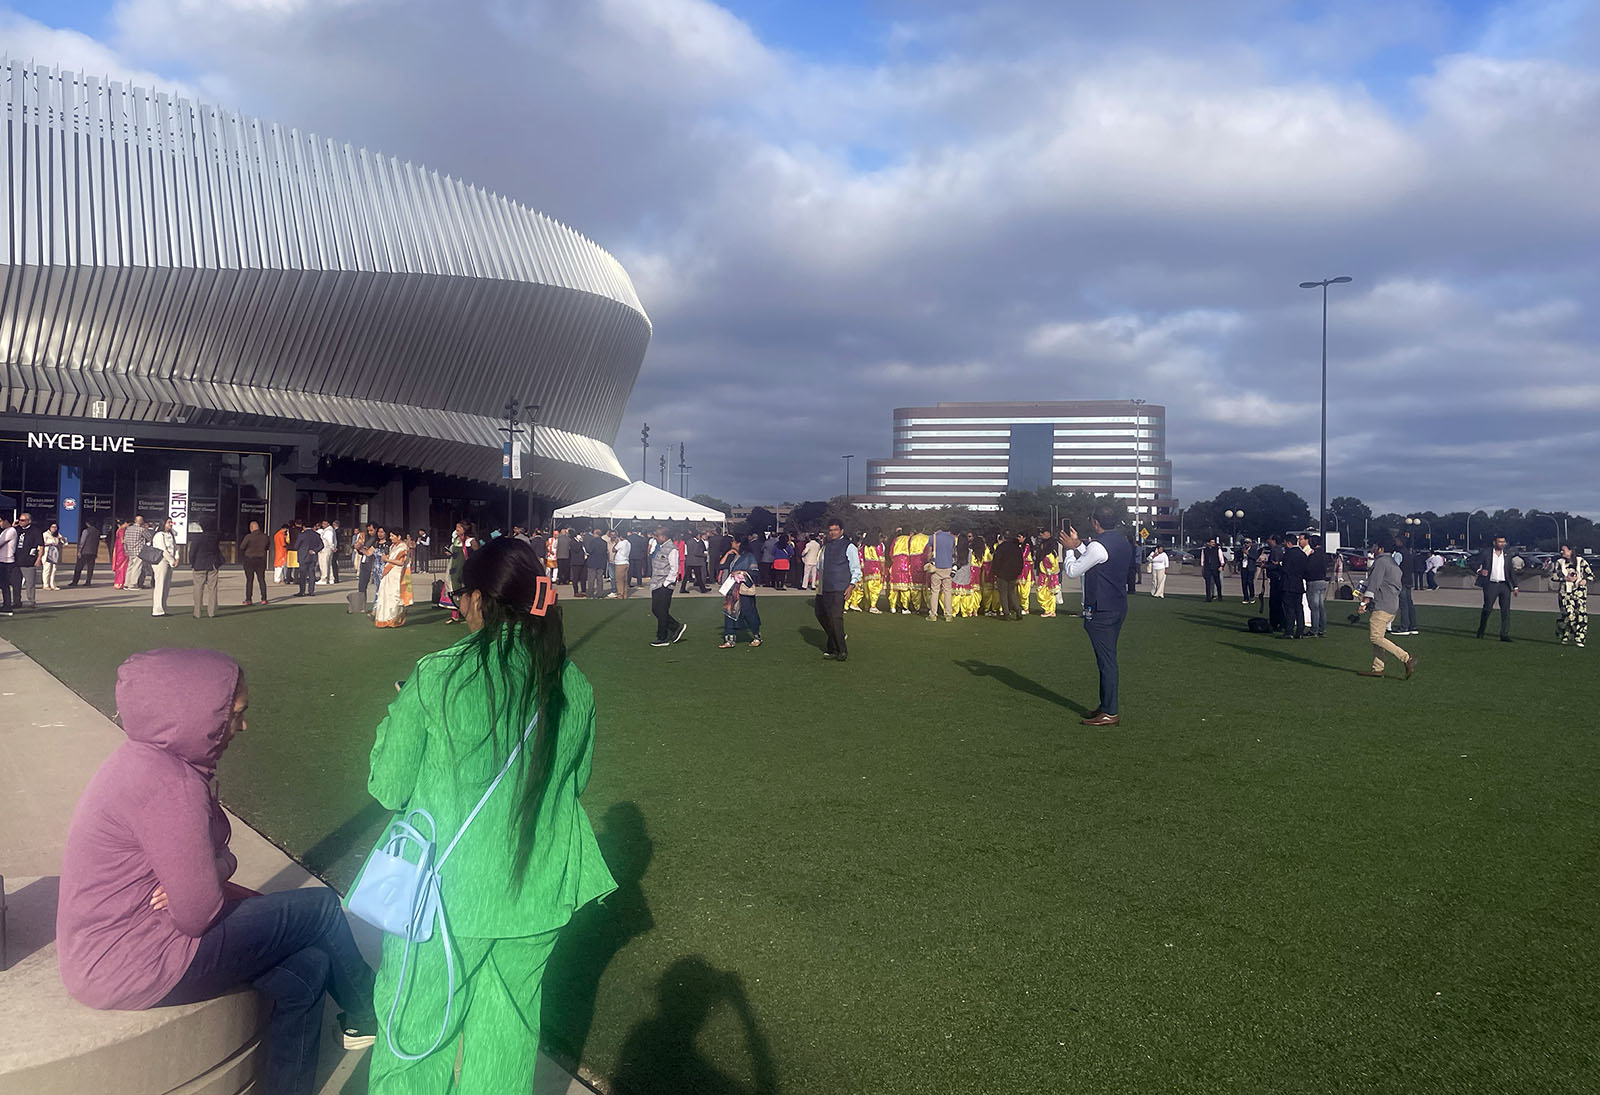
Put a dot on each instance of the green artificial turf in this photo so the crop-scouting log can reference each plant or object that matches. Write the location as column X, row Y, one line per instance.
column 915, row 872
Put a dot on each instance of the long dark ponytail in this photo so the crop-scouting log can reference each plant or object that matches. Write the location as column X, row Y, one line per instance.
column 506, row 573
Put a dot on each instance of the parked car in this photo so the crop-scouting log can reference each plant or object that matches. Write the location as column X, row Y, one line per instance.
column 1354, row 558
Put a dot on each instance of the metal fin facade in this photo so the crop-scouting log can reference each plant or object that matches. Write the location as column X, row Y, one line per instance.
column 185, row 262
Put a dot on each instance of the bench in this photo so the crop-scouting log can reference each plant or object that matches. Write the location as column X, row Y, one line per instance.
column 57, row 1046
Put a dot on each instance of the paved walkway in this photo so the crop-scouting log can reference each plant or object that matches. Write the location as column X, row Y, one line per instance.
column 52, row 742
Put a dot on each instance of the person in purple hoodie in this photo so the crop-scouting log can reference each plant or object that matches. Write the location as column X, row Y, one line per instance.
column 148, row 917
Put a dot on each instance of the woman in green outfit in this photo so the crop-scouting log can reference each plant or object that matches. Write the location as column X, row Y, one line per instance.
column 529, row 859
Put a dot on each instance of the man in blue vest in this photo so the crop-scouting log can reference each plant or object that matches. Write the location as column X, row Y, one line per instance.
column 841, row 572
column 1103, row 565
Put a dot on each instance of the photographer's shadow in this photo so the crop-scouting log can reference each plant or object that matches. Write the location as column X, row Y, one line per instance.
column 660, row 1054
column 598, row 932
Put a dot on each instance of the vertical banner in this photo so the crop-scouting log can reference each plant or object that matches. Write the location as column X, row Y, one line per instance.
column 178, row 504
column 505, row 460
column 70, row 505
column 516, row 459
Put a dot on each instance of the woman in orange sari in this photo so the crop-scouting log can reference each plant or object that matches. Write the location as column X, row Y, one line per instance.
column 280, row 555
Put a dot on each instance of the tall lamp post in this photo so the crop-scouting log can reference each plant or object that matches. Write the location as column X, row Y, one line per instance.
column 847, row 457
column 1553, row 521
column 1322, row 499
column 1234, row 515
column 1415, row 521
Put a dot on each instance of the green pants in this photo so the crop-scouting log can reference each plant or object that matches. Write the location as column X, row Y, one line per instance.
column 495, row 1017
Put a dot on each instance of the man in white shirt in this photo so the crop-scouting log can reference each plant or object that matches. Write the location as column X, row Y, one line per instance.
column 8, row 566
column 325, row 556
column 1158, row 571
column 811, row 556
column 1435, row 561
column 621, row 552
column 1499, row 581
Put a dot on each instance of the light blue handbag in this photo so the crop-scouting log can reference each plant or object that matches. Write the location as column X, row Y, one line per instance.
column 402, row 897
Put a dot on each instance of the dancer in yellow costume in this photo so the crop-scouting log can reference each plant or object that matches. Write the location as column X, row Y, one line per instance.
column 1025, row 581
column 988, row 592
column 900, row 573
column 1047, row 575
column 919, row 551
column 964, row 583
column 871, row 585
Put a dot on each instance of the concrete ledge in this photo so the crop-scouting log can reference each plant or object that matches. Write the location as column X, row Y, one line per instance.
column 55, row 1046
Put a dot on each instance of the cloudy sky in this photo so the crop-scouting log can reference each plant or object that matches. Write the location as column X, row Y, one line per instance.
column 833, row 208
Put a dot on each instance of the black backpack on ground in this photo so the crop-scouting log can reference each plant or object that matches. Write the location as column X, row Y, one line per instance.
column 1259, row 625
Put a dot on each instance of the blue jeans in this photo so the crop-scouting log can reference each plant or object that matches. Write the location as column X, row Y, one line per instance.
column 1317, row 594
column 1104, row 628
column 294, row 947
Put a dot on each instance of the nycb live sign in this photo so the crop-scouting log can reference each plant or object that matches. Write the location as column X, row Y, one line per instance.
column 78, row 442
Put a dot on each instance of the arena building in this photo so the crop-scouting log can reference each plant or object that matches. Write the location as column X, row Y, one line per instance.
column 968, row 454
column 209, row 313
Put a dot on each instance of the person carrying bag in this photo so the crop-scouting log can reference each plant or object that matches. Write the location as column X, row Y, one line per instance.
column 485, row 751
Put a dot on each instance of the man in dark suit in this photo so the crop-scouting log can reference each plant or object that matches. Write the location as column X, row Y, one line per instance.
column 1499, row 581
column 88, row 554
column 1007, row 568
column 1293, row 591
column 1211, row 569
column 1275, row 555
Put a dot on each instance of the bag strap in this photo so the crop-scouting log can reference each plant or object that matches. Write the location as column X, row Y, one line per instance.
column 439, row 866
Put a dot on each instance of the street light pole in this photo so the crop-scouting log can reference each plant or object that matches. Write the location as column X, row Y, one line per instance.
column 847, row 457
column 1535, row 513
column 513, row 458
column 1322, row 499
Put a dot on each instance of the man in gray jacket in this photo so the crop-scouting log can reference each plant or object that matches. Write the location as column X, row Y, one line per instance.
column 1381, row 601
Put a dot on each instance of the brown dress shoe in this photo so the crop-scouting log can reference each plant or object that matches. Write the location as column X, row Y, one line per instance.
column 1100, row 719
column 1411, row 666
column 1368, row 673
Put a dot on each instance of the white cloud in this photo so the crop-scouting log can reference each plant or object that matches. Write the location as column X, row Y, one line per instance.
column 1018, row 200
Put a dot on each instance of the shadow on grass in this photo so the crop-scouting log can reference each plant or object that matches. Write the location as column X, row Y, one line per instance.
column 1016, row 681
column 1237, row 625
column 660, row 1054
column 597, row 934
column 814, row 637
column 604, row 622
column 1284, row 656
column 360, row 830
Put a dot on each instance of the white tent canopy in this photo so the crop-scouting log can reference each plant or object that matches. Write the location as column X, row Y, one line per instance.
column 640, row 501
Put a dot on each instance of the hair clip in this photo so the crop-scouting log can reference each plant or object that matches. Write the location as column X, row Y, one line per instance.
column 544, row 595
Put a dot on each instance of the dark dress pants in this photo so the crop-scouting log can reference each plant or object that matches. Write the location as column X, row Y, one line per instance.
column 255, row 571
column 308, row 575
column 829, row 608
column 10, row 586
column 1104, row 629
column 1494, row 592
column 661, row 604
column 293, row 947
column 85, row 563
column 1010, row 599
column 1213, row 583
column 1294, row 619
column 1247, row 584
column 1274, row 603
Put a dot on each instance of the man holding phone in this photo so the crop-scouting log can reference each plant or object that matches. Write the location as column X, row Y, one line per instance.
column 1103, row 565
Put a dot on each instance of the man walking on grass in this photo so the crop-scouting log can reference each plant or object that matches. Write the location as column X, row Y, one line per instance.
column 88, row 555
column 663, row 573
column 841, row 573
column 1499, row 581
column 1381, row 601
column 1103, row 565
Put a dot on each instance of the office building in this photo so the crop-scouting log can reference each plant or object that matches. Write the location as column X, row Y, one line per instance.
column 968, row 454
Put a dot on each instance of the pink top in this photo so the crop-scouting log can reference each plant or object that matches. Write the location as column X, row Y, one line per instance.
column 148, row 817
